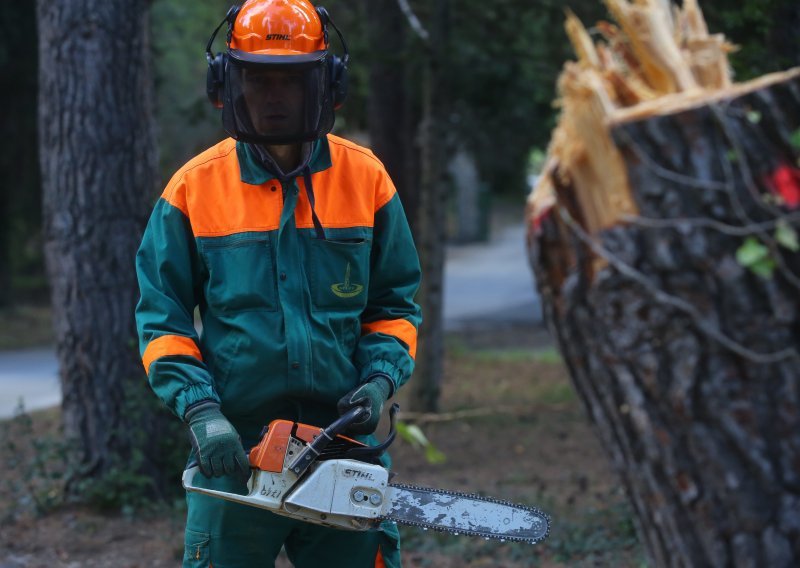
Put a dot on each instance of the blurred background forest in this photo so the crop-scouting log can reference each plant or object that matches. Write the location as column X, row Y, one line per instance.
column 501, row 61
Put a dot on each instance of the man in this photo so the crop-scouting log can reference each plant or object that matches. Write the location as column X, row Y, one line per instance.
column 293, row 245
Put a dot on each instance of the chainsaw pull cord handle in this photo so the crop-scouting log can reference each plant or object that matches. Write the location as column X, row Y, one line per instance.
column 374, row 452
column 314, row 449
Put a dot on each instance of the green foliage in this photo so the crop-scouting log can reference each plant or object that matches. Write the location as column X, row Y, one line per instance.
column 764, row 30
column 35, row 467
column 595, row 538
column 755, row 256
column 786, row 236
column 599, row 537
column 795, row 139
column 21, row 252
column 412, row 434
column 149, row 475
column 187, row 123
column 505, row 59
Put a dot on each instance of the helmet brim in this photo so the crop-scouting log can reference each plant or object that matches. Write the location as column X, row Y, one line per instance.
column 285, row 57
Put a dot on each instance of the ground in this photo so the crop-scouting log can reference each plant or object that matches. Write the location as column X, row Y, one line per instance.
column 511, row 427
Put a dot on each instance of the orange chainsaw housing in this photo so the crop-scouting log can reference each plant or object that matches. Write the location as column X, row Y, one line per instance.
column 270, row 452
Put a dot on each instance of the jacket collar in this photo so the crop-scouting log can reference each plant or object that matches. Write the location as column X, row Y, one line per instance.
column 251, row 170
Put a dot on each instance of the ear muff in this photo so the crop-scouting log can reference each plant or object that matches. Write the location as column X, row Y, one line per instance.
column 337, row 66
column 215, row 76
column 338, row 75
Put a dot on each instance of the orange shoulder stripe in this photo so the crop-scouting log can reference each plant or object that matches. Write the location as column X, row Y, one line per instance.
column 169, row 345
column 210, row 192
column 399, row 328
column 350, row 192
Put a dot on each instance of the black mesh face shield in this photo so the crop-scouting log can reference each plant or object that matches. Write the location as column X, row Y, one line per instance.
column 272, row 99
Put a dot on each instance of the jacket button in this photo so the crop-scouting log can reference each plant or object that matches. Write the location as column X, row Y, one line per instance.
column 295, row 365
column 273, row 188
column 283, row 276
column 296, row 191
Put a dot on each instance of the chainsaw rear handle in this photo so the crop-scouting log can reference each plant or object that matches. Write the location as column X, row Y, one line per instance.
column 314, row 449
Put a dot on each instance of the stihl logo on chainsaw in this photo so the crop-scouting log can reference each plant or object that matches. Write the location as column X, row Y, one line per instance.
column 358, row 474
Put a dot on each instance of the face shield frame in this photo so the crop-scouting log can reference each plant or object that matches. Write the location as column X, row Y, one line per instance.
column 255, row 112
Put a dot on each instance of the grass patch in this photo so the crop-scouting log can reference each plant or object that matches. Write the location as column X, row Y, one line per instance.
column 601, row 537
column 25, row 327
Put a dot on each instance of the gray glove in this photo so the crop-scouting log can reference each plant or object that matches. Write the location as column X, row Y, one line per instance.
column 371, row 395
column 215, row 441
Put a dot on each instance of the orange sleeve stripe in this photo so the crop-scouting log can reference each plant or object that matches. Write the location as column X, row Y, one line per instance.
column 399, row 328
column 169, row 345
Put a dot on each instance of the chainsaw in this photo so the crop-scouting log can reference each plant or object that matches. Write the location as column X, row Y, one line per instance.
column 319, row 476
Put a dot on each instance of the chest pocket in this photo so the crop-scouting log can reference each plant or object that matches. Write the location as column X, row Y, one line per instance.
column 241, row 274
column 340, row 273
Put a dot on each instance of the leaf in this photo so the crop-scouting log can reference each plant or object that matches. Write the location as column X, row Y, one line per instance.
column 764, row 267
column 755, row 257
column 786, row 236
column 434, row 455
column 754, row 116
column 751, row 252
column 794, row 139
column 412, row 434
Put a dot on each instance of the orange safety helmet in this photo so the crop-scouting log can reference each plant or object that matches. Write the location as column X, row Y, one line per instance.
column 277, row 83
column 278, row 27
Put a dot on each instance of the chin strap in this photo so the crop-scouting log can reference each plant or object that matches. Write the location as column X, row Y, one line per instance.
column 310, row 192
column 303, row 169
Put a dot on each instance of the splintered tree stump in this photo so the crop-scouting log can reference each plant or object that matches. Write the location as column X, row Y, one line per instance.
column 687, row 361
column 663, row 237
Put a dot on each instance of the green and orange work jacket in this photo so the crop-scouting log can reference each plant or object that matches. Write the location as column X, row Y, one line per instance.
column 290, row 321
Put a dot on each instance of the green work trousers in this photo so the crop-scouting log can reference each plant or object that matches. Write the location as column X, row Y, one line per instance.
column 230, row 535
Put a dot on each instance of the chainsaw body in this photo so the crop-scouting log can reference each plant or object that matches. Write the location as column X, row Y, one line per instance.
column 335, row 491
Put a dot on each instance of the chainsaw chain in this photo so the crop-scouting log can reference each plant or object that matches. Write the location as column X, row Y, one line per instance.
column 476, row 497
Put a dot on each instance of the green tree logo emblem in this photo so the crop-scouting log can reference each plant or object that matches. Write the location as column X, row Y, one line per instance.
column 347, row 289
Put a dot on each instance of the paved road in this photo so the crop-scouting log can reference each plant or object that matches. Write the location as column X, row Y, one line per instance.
column 485, row 285
column 490, row 283
column 30, row 376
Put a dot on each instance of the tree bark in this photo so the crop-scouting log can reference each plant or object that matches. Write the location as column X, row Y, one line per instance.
column 686, row 361
column 391, row 130
column 98, row 165
column 431, row 233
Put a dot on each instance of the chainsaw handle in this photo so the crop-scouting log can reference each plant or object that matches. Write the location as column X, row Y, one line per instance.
column 373, row 452
column 314, row 449
column 188, row 484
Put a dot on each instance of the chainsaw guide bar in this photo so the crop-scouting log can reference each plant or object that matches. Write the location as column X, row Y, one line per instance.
column 466, row 514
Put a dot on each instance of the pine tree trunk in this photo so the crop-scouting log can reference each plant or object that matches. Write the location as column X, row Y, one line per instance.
column 431, row 230
column 98, row 163
column 390, row 131
column 687, row 361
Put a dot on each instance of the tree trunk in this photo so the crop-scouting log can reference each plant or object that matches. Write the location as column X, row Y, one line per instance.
column 686, row 360
column 98, row 163
column 390, row 124
column 431, row 232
